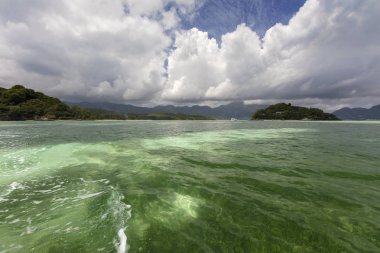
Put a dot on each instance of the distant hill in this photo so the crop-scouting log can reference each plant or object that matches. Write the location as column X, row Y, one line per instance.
column 359, row 113
column 20, row 103
column 167, row 116
column 284, row 111
column 237, row 110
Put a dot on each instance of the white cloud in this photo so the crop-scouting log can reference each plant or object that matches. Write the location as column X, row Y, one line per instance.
column 116, row 50
column 328, row 50
column 84, row 49
column 193, row 66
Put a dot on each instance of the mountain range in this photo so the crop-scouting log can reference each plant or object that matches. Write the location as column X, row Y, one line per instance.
column 358, row 113
column 237, row 110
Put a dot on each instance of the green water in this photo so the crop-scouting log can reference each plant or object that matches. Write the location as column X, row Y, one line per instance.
column 190, row 187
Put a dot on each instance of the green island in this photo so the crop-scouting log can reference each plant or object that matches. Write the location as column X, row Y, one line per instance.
column 20, row 103
column 284, row 111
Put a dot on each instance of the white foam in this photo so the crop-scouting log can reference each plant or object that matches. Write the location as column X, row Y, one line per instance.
column 94, row 181
column 121, row 213
column 10, row 216
column 47, row 191
column 122, row 241
column 86, row 196
column 29, row 229
column 12, row 187
column 71, row 229
column 14, row 221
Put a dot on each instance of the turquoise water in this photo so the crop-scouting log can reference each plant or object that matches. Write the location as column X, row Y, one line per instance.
column 185, row 186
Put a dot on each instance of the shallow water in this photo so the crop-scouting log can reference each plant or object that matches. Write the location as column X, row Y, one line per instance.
column 184, row 186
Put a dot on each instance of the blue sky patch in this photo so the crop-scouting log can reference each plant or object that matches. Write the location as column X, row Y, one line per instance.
column 218, row 17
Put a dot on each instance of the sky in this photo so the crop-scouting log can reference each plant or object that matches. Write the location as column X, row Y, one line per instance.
column 323, row 53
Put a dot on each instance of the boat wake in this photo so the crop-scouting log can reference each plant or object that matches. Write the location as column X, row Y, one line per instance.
column 120, row 213
column 122, row 245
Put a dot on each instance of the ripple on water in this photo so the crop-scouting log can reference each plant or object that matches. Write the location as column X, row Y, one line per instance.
column 31, row 162
column 306, row 187
column 55, row 200
column 207, row 140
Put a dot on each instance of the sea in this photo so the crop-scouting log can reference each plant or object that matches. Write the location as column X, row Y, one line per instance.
column 190, row 186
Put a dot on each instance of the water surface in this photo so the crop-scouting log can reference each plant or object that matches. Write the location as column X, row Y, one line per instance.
column 184, row 186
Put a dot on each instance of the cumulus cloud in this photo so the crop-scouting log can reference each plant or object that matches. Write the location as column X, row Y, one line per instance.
column 193, row 66
column 329, row 50
column 84, row 49
column 135, row 52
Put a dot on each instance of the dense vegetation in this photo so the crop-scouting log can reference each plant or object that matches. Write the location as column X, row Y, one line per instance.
column 20, row 103
column 167, row 116
column 284, row 111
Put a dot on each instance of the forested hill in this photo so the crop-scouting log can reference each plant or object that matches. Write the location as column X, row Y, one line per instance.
column 284, row 111
column 20, row 103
